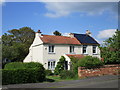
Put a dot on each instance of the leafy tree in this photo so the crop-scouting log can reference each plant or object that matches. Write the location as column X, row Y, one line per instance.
column 60, row 65
column 15, row 45
column 57, row 33
column 110, row 51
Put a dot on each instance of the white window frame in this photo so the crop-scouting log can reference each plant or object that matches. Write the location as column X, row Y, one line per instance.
column 51, row 49
column 94, row 47
column 51, row 65
column 72, row 48
column 84, row 47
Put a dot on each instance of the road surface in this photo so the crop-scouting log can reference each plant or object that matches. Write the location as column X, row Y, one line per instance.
column 107, row 81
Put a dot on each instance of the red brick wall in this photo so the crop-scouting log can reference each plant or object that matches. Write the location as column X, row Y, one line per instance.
column 104, row 70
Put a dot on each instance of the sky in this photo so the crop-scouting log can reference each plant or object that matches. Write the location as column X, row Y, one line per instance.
column 101, row 18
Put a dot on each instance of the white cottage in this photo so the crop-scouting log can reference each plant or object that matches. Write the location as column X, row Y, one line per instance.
column 47, row 49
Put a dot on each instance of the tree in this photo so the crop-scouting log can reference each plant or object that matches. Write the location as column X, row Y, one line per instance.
column 15, row 45
column 110, row 51
column 57, row 33
column 60, row 65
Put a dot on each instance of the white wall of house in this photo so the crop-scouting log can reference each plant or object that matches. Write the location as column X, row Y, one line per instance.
column 60, row 50
column 90, row 51
column 35, row 51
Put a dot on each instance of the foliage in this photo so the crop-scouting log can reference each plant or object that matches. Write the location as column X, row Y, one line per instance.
column 57, row 33
column 18, row 72
column 90, row 62
column 15, row 45
column 66, row 74
column 60, row 65
column 74, row 64
column 110, row 50
column 21, row 65
column 48, row 72
column 16, row 76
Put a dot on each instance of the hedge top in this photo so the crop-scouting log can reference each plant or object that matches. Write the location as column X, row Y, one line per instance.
column 21, row 65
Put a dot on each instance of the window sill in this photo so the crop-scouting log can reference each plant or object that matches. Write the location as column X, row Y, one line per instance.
column 95, row 54
column 85, row 53
column 51, row 52
column 72, row 52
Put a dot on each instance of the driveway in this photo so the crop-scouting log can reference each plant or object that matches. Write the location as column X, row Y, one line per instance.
column 107, row 81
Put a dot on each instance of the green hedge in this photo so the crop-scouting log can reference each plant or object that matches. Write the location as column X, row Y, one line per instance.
column 17, row 76
column 90, row 62
column 18, row 72
column 21, row 65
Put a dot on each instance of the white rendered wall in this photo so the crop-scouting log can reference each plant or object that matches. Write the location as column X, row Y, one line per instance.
column 35, row 51
column 60, row 50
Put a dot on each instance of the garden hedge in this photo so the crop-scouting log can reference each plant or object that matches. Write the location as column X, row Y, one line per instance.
column 26, row 73
column 21, row 65
column 90, row 62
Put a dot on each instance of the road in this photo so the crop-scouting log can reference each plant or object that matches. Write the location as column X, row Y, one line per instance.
column 108, row 81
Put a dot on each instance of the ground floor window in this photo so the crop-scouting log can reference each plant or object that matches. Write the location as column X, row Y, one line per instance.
column 51, row 65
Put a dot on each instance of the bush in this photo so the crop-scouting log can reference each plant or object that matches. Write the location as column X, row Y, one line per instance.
column 14, row 65
column 21, row 65
column 17, row 76
column 66, row 74
column 74, row 65
column 18, row 72
column 90, row 62
column 48, row 72
column 60, row 66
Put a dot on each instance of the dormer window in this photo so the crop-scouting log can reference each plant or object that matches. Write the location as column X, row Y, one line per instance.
column 51, row 49
column 94, row 49
column 84, row 49
column 71, row 49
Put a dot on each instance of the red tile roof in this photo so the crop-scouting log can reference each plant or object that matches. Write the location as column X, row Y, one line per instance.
column 51, row 39
column 79, row 56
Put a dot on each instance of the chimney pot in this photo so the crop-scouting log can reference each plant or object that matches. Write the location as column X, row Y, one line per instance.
column 88, row 32
column 71, row 35
column 39, row 31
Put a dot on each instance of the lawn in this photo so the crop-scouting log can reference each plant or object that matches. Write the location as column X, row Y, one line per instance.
column 55, row 78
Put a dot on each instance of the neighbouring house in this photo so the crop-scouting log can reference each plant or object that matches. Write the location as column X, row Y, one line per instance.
column 47, row 49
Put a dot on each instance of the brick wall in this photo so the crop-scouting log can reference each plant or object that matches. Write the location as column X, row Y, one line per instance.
column 104, row 70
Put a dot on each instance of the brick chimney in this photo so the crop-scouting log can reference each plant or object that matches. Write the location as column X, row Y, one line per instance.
column 88, row 32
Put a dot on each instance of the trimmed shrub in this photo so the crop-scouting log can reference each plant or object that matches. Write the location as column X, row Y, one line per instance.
column 90, row 62
column 14, row 65
column 17, row 76
column 67, row 74
column 48, row 72
column 21, row 65
column 18, row 72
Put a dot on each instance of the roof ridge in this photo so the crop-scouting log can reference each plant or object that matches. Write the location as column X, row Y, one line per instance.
column 57, row 36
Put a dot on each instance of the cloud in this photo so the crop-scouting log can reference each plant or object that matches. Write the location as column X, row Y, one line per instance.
column 59, row 9
column 106, row 33
column 1, row 1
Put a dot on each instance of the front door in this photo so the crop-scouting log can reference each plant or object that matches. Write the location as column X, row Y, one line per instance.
column 66, row 65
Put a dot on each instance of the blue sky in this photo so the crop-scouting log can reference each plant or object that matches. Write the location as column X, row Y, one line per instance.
column 100, row 18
